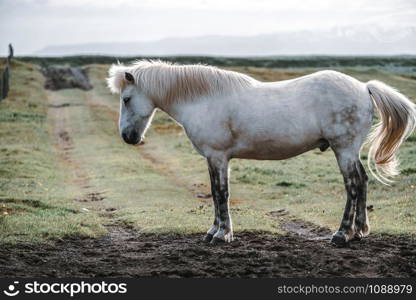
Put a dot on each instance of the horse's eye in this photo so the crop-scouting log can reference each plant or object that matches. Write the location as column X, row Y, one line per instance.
column 126, row 99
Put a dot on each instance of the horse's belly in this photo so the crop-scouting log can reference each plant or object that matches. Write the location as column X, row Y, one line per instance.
column 273, row 149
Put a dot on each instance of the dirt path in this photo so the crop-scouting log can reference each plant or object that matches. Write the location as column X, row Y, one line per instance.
column 303, row 251
column 60, row 117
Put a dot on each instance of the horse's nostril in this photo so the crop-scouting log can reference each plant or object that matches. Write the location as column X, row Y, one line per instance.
column 134, row 137
column 126, row 99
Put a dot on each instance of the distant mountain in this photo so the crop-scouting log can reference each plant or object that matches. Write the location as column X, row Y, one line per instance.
column 352, row 40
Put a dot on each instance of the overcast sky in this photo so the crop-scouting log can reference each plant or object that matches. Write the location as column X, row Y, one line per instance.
column 33, row 24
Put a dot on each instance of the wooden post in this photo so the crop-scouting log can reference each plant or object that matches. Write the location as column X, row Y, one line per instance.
column 5, row 76
column 11, row 52
column 5, row 81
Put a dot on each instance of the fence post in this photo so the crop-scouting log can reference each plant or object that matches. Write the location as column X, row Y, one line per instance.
column 11, row 52
column 5, row 76
column 5, row 82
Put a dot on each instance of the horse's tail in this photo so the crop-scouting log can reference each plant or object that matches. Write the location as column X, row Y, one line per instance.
column 398, row 120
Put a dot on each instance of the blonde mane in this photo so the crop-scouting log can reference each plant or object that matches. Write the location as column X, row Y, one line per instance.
column 167, row 82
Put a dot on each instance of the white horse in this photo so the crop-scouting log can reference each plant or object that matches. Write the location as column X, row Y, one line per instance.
column 230, row 115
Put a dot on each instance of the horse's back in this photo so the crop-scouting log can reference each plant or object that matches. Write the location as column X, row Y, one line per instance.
column 283, row 119
column 294, row 116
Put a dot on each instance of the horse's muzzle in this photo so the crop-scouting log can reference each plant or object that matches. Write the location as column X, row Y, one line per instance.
column 132, row 138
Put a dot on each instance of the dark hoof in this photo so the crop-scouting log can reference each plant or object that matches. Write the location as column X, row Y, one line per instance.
column 358, row 236
column 208, row 237
column 217, row 241
column 339, row 239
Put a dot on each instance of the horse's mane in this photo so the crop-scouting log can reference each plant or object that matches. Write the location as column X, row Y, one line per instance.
column 163, row 81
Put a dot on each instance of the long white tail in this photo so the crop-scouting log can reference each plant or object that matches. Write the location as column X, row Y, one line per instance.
column 397, row 122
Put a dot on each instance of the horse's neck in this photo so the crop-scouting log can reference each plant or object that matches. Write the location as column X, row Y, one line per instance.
column 172, row 110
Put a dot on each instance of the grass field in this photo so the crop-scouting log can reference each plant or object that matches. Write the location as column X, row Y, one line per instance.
column 65, row 171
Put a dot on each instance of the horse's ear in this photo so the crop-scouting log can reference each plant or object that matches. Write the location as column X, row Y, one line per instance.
column 129, row 77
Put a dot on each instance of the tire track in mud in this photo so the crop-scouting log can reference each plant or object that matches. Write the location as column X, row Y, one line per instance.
column 59, row 114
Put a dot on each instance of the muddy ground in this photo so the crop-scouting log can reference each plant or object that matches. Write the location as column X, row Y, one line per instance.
column 301, row 253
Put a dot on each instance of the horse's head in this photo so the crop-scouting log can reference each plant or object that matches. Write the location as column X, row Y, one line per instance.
column 136, row 111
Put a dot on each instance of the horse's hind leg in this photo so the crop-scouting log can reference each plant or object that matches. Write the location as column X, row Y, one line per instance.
column 356, row 188
column 362, row 226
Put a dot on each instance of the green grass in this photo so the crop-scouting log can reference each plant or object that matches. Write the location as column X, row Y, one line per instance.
column 153, row 187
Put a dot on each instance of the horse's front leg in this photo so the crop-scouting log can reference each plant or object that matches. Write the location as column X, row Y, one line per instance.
column 215, row 226
column 219, row 185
